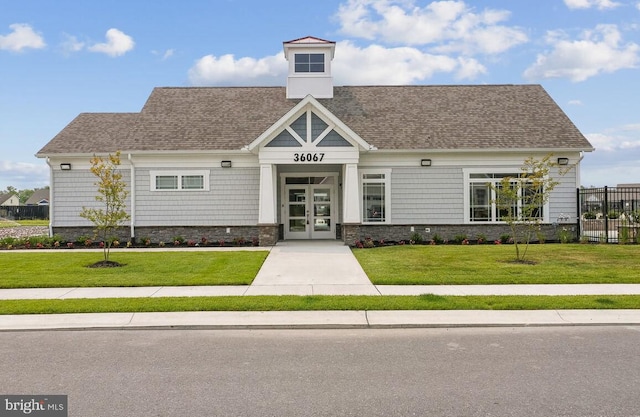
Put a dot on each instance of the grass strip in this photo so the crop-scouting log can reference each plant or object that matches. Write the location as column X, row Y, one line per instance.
column 68, row 268
column 314, row 303
column 492, row 264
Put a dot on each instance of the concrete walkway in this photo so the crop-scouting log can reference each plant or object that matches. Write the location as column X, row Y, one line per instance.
column 311, row 267
column 317, row 268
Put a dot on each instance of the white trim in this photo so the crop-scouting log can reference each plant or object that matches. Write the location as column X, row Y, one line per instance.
column 333, row 199
column 466, row 172
column 387, row 192
column 179, row 174
column 306, row 104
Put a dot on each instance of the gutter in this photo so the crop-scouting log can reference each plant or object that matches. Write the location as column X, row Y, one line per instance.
column 51, row 197
column 132, row 182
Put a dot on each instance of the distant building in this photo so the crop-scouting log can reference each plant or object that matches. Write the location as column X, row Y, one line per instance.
column 39, row 198
column 9, row 199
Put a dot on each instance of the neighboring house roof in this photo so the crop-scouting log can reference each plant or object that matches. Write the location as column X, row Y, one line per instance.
column 39, row 197
column 4, row 198
column 508, row 117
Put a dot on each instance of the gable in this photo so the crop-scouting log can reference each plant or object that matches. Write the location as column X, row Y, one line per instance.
column 309, row 133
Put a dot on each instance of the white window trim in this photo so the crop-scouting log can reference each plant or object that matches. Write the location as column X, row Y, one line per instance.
column 204, row 173
column 467, row 181
column 387, row 191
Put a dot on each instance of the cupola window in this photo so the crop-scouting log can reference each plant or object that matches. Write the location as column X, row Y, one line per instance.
column 309, row 62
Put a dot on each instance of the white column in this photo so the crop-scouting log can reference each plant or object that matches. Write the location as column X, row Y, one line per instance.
column 351, row 197
column 267, row 203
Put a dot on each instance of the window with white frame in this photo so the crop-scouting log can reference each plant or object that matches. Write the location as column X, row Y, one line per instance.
column 180, row 180
column 376, row 191
column 309, row 62
column 482, row 193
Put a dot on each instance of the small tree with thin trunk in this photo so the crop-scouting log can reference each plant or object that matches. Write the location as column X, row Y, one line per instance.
column 520, row 201
column 112, row 194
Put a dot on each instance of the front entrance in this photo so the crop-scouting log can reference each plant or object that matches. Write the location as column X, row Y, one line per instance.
column 309, row 207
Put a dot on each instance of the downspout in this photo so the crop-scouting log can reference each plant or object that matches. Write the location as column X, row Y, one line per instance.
column 132, row 183
column 51, row 198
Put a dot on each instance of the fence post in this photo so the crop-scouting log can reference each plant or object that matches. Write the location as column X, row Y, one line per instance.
column 606, row 213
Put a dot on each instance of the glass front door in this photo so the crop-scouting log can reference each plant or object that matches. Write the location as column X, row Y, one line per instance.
column 309, row 211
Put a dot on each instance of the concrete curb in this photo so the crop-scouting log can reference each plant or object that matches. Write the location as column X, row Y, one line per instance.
column 318, row 319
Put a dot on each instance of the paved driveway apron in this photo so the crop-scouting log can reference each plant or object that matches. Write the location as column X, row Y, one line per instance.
column 311, row 267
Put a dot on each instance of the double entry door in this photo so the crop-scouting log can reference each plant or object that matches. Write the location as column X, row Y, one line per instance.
column 309, row 208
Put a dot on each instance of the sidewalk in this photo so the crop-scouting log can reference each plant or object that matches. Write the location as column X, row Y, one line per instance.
column 317, row 268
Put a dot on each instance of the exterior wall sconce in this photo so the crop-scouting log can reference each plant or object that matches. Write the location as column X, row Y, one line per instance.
column 225, row 164
column 65, row 167
column 563, row 161
column 425, row 162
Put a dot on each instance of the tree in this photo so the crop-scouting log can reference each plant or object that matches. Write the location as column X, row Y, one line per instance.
column 520, row 201
column 112, row 194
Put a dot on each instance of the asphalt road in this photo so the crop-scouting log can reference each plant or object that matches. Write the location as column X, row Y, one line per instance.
column 567, row 371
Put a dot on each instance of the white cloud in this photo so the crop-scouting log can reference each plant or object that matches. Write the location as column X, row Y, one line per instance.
column 118, row 43
column 352, row 65
column 71, row 44
column 447, row 26
column 23, row 175
column 378, row 65
column 616, row 159
column 587, row 4
column 575, row 102
column 22, row 36
column 598, row 51
column 227, row 70
column 164, row 55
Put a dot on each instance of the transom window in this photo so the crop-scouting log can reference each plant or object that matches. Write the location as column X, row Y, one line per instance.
column 376, row 191
column 483, row 189
column 179, row 181
column 309, row 63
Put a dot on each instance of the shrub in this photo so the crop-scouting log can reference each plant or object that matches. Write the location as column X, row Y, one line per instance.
column 416, row 238
column 590, row 215
column 437, row 239
column 613, row 214
column 481, row 238
column 505, row 238
column 460, row 239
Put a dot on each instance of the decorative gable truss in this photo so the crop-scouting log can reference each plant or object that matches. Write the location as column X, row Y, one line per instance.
column 309, row 133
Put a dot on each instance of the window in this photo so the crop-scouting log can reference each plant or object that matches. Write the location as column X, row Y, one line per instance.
column 309, row 63
column 483, row 190
column 375, row 196
column 179, row 181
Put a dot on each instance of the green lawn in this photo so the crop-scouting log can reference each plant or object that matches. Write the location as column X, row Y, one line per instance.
column 7, row 223
column 68, row 268
column 297, row 303
column 489, row 264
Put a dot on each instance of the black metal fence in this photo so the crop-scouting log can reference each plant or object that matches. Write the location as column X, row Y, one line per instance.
column 24, row 212
column 610, row 214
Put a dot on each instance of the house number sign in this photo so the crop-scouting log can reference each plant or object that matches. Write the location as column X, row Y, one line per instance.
column 308, row 157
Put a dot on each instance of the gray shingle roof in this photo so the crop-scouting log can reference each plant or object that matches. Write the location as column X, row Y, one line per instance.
column 506, row 117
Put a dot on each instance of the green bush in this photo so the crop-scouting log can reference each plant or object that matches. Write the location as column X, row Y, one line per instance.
column 458, row 239
column 416, row 238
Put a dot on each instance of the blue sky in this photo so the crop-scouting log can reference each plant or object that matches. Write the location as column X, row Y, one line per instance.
column 65, row 57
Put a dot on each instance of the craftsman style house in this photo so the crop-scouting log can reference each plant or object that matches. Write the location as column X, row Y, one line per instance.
column 316, row 161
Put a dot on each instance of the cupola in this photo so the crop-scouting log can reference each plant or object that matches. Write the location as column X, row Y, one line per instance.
column 309, row 67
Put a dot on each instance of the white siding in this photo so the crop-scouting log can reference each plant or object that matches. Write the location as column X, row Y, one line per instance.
column 232, row 200
column 76, row 189
column 563, row 199
column 427, row 195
